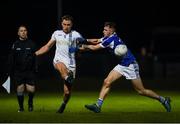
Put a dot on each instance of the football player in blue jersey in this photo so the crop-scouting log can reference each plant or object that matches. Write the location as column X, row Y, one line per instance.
column 127, row 67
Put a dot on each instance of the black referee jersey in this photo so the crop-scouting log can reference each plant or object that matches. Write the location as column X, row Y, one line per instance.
column 22, row 57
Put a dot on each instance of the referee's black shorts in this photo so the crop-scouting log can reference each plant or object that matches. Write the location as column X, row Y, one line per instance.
column 27, row 77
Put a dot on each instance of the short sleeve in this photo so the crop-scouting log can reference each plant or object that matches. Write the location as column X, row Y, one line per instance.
column 53, row 36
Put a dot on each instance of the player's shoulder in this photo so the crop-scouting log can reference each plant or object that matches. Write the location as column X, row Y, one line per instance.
column 58, row 32
column 75, row 33
column 16, row 42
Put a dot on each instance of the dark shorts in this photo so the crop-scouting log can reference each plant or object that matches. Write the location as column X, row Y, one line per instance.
column 25, row 78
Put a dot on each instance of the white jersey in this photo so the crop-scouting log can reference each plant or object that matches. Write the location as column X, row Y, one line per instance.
column 63, row 42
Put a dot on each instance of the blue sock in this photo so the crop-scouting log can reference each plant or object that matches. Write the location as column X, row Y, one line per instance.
column 161, row 99
column 100, row 102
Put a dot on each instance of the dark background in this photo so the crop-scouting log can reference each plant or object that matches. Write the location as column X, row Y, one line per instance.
column 150, row 24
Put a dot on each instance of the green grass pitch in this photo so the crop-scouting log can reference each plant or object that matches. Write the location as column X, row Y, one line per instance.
column 122, row 106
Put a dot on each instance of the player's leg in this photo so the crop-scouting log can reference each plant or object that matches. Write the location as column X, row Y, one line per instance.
column 138, row 85
column 66, row 97
column 31, row 90
column 113, row 76
column 20, row 97
column 65, row 73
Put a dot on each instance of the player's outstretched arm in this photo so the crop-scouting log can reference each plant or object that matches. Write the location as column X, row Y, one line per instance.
column 45, row 48
column 91, row 47
column 83, row 47
column 93, row 41
column 89, row 41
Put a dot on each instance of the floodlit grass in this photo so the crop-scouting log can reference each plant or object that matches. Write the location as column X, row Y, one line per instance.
column 118, row 107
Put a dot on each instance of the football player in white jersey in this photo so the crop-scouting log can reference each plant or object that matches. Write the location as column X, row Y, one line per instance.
column 64, row 61
column 127, row 67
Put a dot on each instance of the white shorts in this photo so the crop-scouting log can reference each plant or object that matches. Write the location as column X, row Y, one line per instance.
column 130, row 72
column 69, row 67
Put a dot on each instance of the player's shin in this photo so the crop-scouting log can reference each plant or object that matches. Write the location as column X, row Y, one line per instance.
column 30, row 101
column 20, row 97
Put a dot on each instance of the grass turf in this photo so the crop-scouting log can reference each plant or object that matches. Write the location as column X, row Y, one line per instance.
column 118, row 107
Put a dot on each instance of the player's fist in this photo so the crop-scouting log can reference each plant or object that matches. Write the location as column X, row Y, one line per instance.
column 81, row 40
column 73, row 49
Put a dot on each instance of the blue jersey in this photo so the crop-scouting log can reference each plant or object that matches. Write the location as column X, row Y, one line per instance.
column 111, row 42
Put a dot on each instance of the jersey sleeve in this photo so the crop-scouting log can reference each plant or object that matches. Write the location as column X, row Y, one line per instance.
column 11, row 59
column 13, row 46
column 78, row 35
column 105, row 42
column 53, row 36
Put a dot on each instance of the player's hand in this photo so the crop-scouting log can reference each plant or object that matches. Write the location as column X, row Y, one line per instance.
column 36, row 53
column 81, row 40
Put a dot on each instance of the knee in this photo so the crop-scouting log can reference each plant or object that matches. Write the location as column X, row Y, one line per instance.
column 142, row 92
column 30, row 88
column 107, row 83
column 63, row 75
column 67, row 92
column 20, row 88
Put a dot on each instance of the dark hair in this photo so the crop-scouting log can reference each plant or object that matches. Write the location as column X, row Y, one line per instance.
column 110, row 24
column 67, row 17
column 22, row 25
